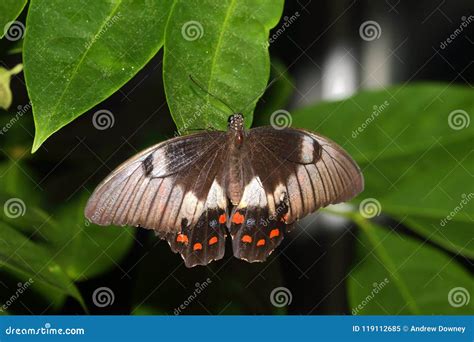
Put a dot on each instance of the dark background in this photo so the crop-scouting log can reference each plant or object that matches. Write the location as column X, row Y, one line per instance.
column 327, row 59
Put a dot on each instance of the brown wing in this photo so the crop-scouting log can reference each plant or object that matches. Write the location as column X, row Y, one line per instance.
column 175, row 188
column 291, row 174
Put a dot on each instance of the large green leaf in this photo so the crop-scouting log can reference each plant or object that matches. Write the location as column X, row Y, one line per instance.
column 400, row 275
column 414, row 151
column 223, row 46
column 78, row 53
column 9, row 11
column 22, row 256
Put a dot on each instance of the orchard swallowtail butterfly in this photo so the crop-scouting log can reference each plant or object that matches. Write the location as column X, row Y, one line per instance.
column 253, row 184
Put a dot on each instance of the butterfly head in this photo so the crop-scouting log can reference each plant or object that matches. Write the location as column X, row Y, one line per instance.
column 235, row 124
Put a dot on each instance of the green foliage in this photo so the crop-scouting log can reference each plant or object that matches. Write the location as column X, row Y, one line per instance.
column 85, row 52
column 30, row 260
column 410, row 278
column 416, row 170
column 223, row 46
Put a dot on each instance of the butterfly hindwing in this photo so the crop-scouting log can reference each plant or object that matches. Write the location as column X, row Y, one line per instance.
column 203, row 242
column 255, row 232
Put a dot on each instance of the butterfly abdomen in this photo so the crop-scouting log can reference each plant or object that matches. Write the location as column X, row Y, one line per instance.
column 234, row 176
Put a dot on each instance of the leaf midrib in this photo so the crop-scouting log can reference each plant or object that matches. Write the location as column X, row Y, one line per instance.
column 367, row 228
column 217, row 49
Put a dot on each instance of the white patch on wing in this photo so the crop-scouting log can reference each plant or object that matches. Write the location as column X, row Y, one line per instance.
column 216, row 197
column 159, row 163
column 307, row 149
column 254, row 194
column 279, row 193
column 188, row 208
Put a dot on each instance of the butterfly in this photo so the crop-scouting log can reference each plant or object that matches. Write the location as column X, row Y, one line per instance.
column 253, row 184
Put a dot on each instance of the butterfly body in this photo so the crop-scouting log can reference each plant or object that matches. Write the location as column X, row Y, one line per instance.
column 252, row 184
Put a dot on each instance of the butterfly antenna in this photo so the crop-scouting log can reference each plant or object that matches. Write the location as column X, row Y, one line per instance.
column 211, row 94
column 261, row 93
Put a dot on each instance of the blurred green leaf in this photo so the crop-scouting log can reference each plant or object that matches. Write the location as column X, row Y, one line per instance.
column 77, row 55
column 277, row 96
column 413, row 145
column 9, row 11
column 86, row 250
column 223, row 46
column 16, row 180
column 455, row 236
column 399, row 275
column 5, row 91
column 19, row 254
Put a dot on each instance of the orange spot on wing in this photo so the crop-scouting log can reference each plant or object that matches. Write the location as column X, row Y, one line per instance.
column 197, row 246
column 260, row 242
column 247, row 239
column 285, row 218
column 182, row 238
column 274, row 233
column 238, row 218
column 213, row 240
column 222, row 219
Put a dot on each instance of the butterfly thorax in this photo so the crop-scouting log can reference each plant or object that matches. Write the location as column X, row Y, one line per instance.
column 236, row 135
